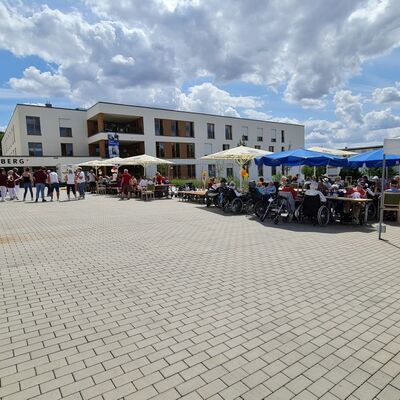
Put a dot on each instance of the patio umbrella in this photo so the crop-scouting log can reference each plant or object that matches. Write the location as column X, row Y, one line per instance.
column 241, row 155
column 373, row 159
column 334, row 152
column 91, row 163
column 296, row 157
column 109, row 162
column 144, row 160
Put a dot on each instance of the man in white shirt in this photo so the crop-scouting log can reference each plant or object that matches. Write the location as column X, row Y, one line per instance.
column 54, row 184
column 314, row 192
column 80, row 177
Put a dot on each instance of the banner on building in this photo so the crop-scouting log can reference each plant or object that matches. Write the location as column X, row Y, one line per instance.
column 113, row 145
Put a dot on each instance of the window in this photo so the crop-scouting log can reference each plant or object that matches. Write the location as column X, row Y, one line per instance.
column 229, row 172
column 189, row 131
column 225, row 147
column 67, row 149
column 212, row 170
column 158, row 126
column 191, row 171
column 35, row 149
column 176, row 171
column 160, row 150
column 258, row 147
column 174, row 128
column 260, row 134
column 176, row 153
column 211, row 131
column 271, row 148
column 65, row 132
column 228, row 132
column 190, row 150
column 273, row 138
column 283, row 148
column 245, row 133
column 33, row 126
column 283, row 136
column 260, row 169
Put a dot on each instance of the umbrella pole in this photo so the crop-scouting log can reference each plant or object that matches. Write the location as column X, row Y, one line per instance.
column 382, row 199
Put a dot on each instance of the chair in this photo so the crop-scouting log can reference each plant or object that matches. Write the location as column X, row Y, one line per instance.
column 101, row 188
column 148, row 191
column 312, row 208
column 391, row 202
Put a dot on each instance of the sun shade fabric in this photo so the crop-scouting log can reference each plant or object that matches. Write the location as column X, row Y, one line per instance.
column 296, row 157
column 144, row 160
column 240, row 154
column 334, row 152
column 373, row 159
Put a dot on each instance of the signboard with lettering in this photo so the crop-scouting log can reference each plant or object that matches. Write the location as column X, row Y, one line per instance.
column 113, row 145
column 21, row 161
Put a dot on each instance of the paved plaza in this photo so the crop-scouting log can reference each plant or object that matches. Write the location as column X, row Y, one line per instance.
column 108, row 299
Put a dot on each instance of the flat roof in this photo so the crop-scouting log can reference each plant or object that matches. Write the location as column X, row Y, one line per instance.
column 156, row 108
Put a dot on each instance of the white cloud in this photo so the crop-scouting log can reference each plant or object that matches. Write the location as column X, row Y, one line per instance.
column 120, row 59
column 353, row 125
column 387, row 95
column 41, row 83
column 163, row 43
column 210, row 99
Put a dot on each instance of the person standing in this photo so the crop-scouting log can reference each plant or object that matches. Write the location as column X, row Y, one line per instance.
column 54, row 184
column 92, row 181
column 125, row 184
column 11, row 184
column 3, row 184
column 40, row 178
column 80, row 176
column 27, row 182
column 17, row 180
column 70, row 179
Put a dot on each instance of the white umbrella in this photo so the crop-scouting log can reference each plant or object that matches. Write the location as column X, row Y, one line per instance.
column 91, row 163
column 241, row 155
column 335, row 152
column 144, row 160
column 109, row 162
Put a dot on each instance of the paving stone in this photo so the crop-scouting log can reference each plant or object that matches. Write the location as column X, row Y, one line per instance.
column 177, row 322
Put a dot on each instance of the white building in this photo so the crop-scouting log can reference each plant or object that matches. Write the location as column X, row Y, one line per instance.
column 182, row 137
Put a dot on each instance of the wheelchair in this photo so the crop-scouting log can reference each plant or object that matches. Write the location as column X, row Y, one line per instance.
column 312, row 208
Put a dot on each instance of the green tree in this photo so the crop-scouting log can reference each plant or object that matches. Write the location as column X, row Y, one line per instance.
column 353, row 172
column 309, row 171
column 370, row 172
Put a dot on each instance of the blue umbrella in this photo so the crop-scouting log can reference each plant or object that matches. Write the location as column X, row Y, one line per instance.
column 296, row 157
column 373, row 159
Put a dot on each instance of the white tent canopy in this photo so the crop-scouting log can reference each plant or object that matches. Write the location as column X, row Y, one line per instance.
column 335, row 152
column 92, row 163
column 241, row 155
column 109, row 162
column 144, row 160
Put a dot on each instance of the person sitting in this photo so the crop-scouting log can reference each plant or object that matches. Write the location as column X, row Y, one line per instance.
column 357, row 192
column 322, row 188
column 268, row 190
column 260, row 182
column 211, row 182
column 289, row 189
column 394, row 186
column 313, row 191
column 283, row 181
column 158, row 179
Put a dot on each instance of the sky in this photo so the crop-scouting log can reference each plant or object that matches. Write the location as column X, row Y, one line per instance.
column 332, row 65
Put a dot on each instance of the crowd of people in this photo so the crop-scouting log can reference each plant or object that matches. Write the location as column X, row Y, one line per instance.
column 323, row 187
column 12, row 183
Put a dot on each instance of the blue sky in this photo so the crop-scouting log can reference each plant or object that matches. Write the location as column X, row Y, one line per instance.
column 335, row 72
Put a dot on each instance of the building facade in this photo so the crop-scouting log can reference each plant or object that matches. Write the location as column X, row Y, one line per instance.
column 179, row 136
